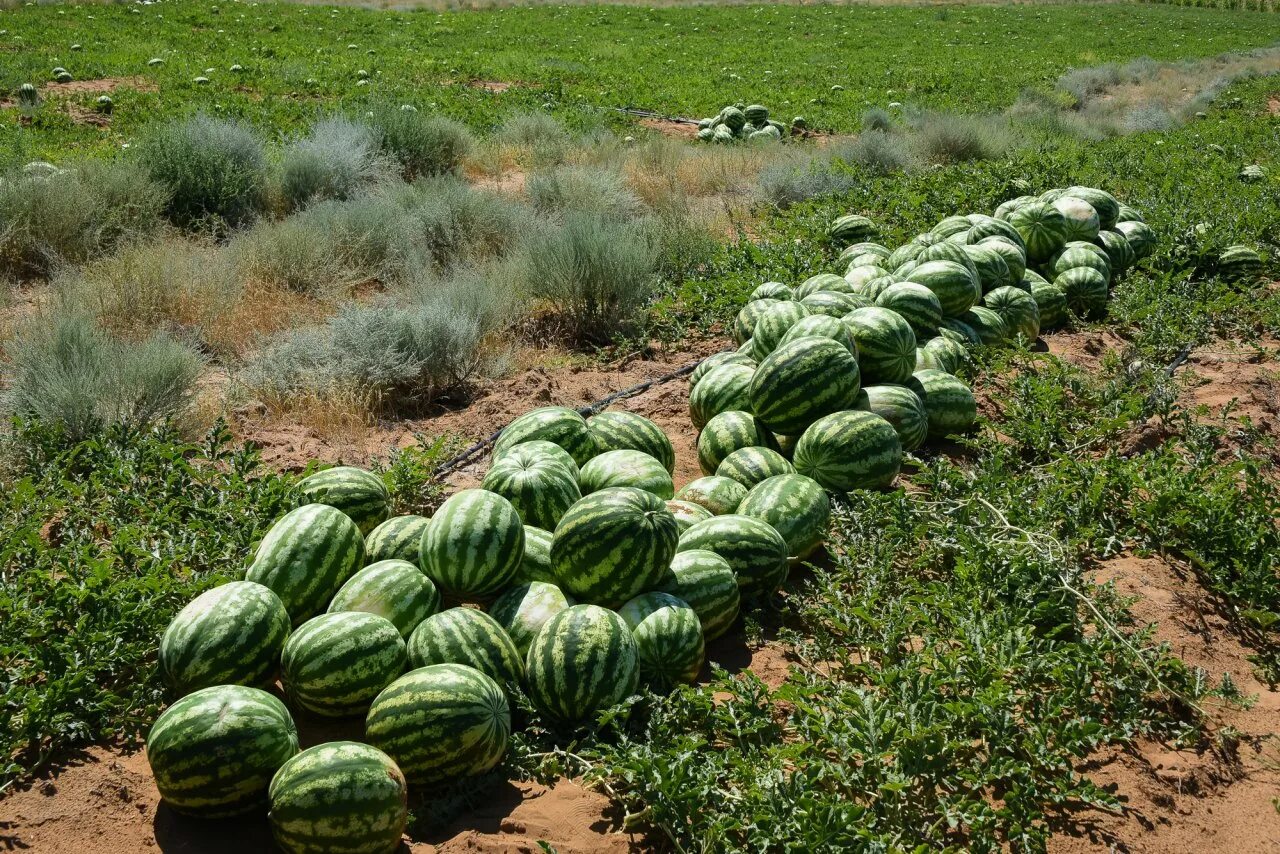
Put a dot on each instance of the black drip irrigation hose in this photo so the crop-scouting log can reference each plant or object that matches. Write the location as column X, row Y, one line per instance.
column 650, row 114
column 477, row 450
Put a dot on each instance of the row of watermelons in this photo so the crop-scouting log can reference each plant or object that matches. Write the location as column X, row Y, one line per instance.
column 736, row 123
column 591, row 577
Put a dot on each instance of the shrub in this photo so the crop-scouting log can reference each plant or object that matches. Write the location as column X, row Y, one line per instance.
column 790, row 180
column 215, row 169
column 544, row 137
column 420, row 143
column 877, row 151
column 582, row 188
column 877, row 119
column 336, row 160
column 69, row 373
column 942, row 138
column 453, row 222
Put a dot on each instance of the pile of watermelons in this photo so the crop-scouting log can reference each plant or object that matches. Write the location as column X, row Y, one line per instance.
column 738, row 123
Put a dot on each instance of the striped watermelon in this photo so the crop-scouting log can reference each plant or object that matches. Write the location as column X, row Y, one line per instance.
column 1081, row 255
column 341, row 797
column 993, row 272
column 916, row 304
column 613, row 545
column 335, row 664
column 904, row 254
column 556, row 424
column 1014, row 256
column 524, row 609
column 1043, row 229
column 626, row 431
column 627, row 468
column 538, row 487
column 1052, row 195
column 669, row 644
column 474, row 544
column 829, row 303
column 861, row 259
column 1004, row 209
column 1239, row 263
column 214, row 751
column 470, row 637
column 1105, row 204
column 955, row 329
column 773, row 325
column 943, row 354
column 886, row 346
column 946, row 251
column 398, row 538
column 728, row 357
column 956, row 288
column 850, row 450
column 803, row 380
column 1085, row 290
column 706, row 582
column 358, row 493
column 724, row 388
column 771, row 290
column 582, row 661
column 1080, row 217
column 900, row 406
column 754, row 549
column 687, row 513
column 728, row 432
column 441, row 722
column 306, row 556
column 395, row 590
column 820, row 282
column 1125, row 213
column 991, row 227
column 536, row 449
column 230, row 635
column 858, row 278
column 536, row 563
column 823, row 325
column 1141, row 237
column 948, row 402
column 952, row 225
column 864, row 248
column 1118, row 250
column 795, row 506
column 989, row 325
column 851, row 228
column 1051, row 303
column 749, row 466
column 1017, row 309
column 719, row 495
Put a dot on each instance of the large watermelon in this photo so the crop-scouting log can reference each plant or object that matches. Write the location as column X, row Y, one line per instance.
column 1077, row 254
column 991, row 227
column 341, row 797
column 754, row 549
column 230, row 635
column 886, row 347
column 956, row 288
column 687, row 513
column 556, row 424
column 358, row 493
column 829, row 303
column 749, row 466
column 945, row 251
column 306, row 556
column 1015, row 257
column 582, row 661
column 990, row 326
column 470, row 637
column 916, row 304
column 706, row 581
column 851, row 228
column 668, row 635
column 820, row 282
column 474, row 544
column 398, row 538
column 335, row 664
column 728, row 432
column 1140, row 235
column 1080, row 217
column 948, row 402
column 1051, row 304
column 826, row 326
column 622, row 431
column 1085, row 290
column 214, row 751
column 720, row 495
column 803, row 380
column 1017, row 309
column 538, row 487
column 627, row 468
column 771, row 290
column 395, row 590
column 1043, row 229
column 795, row 506
column 535, row 565
column 525, row 608
column 724, row 388
column 613, row 545
column 773, row 325
column 729, row 357
column 850, row 450
column 441, row 722
column 1105, row 204
column 952, row 225
column 540, row 449
column 993, row 272
column 901, row 407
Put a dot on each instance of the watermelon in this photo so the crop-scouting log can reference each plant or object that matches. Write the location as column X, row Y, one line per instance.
column 1014, row 256
column 474, row 544
column 557, row 424
column 1141, row 237
column 1125, row 213
column 727, row 357
column 335, row 664
column 687, row 513
column 214, row 751
column 951, row 226
column 306, row 556
column 795, row 506
column 901, row 407
column 886, row 348
column 940, row 353
column 850, row 450
column 756, row 115
column 1017, row 309
column 1051, row 196
column 945, row 251
column 771, row 290
column 668, row 635
column 903, row 255
column 539, row 488
column 1043, row 228
column 525, row 608
column 28, row 95
column 1119, row 252
column 870, row 291
column 857, row 277
column 719, row 495
column 826, row 326
column 441, row 722
column 864, row 248
column 955, row 329
column 831, row 304
column 803, row 380
column 358, row 493
column 956, row 288
column 820, row 282
column 395, row 590
column 627, row 468
column 1085, row 290
column 728, row 432
column 754, row 549
column 1051, row 304
column 706, row 582
column 613, row 545
column 1081, row 255
column 918, row 305
column 1080, row 217
column 397, row 538
column 990, row 326
column 948, row 402
column 749, row 466
column 851, row 229
column 865, row 259
column 340, row 797
column 1105, row 204
column 230, row 635
column 991, row 227
column 1004, row 209
column 773, row 324
column 535, row 565
column 582, row 661
column 1239, row 263
column 470, row 637
column 724, row 388
column 627, row 431
column 539, row 449
column 745, row 323
column 993, row 272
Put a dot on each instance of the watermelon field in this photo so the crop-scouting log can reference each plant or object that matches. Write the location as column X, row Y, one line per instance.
column 592, row 427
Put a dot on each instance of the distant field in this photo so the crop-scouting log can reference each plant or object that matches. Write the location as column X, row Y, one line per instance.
column 581, row 61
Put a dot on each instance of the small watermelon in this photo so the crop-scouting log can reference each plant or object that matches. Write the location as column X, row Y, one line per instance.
column 948, row 402
column 398, row 538
column 668, row 635
column 556, row 424
column 470, row 637
column 706, row 582
column 719, row 495
column 728, row 432
column 754, row 549
column 901, row 407
column 795, row 506
column 395, row 590
column 358, row 493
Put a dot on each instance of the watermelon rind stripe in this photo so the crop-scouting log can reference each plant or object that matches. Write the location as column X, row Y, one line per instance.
column 470, row 637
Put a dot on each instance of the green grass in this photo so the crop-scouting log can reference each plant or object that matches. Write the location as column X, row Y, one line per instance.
column 581, row 61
